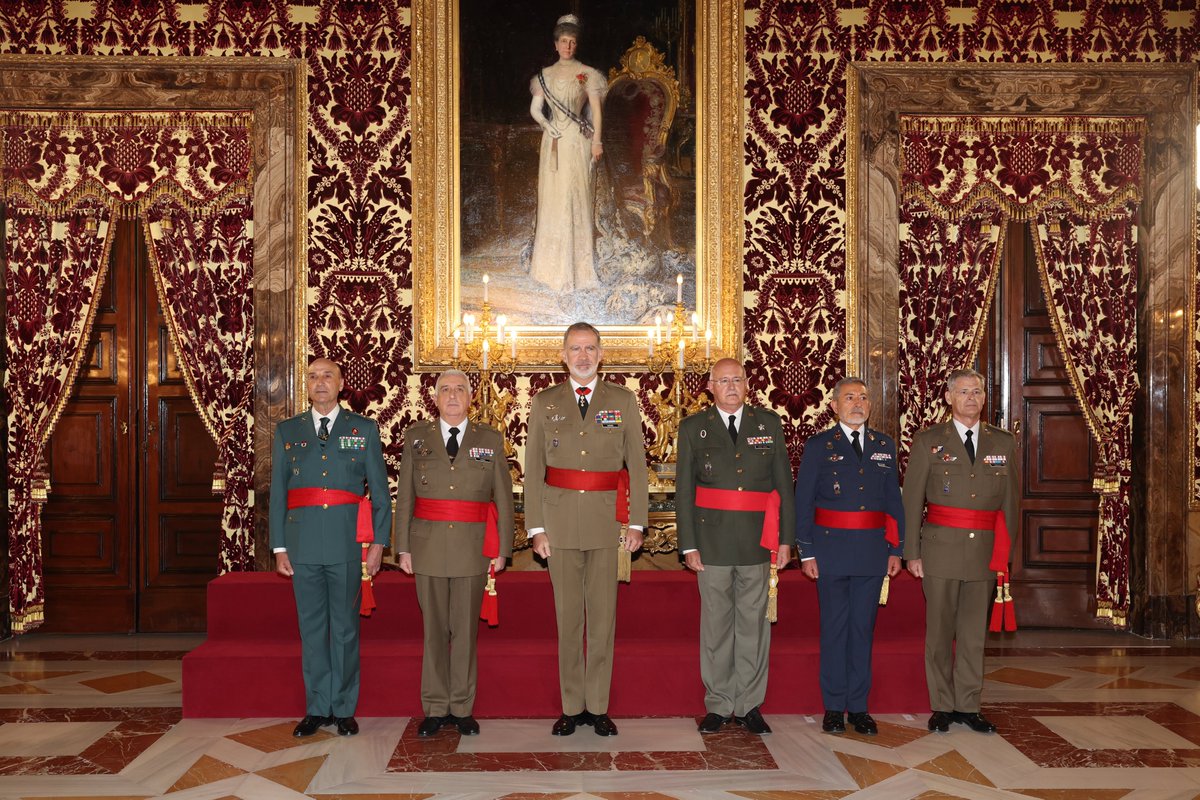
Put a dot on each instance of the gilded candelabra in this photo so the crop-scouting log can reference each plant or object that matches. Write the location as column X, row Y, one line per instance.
column 680, row 352
column 480, row 346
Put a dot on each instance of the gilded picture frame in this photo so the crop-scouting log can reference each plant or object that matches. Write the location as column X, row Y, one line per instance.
column 442, row 133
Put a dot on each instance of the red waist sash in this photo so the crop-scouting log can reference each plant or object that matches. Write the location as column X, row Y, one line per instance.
column 969, row 518
column 584, row 481
column 861, row 521
column 732, row 500
column 464, row 511
column 312, row 496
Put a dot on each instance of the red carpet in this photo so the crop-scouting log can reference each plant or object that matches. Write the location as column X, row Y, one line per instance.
column 250, row 664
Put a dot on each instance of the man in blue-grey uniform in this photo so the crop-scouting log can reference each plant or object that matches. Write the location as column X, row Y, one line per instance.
column 323, row 463
column 849, row 533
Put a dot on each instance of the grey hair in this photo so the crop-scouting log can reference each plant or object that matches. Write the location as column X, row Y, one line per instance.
column 451, row 373
column 568, row 25
column 582, row 326
column 959, row 374
column 850, row 380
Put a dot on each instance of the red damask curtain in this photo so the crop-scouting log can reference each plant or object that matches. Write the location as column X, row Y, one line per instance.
column 66, row 176
column 1080, row 178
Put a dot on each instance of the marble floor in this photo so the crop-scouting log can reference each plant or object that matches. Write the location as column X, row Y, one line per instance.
column 1095, row 715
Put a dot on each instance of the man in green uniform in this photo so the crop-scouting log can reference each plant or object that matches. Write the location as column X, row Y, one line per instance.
column 321, row 462
column 960, row 511
column 454, row 520
column 733, row 478
column 583, row 434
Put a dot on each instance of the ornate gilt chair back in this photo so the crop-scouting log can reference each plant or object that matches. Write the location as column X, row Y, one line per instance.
column 643, row 96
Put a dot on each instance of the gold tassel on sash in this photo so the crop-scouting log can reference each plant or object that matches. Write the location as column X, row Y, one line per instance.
column 624, row 559
column 773, row 592
column 883, row 590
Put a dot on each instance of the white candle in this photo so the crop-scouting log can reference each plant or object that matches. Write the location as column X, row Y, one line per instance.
column 681, row 343
column 679, row 288
column 514, row 344
column 658, row 328
column 456, row 337
column 469, row 322
column 707, row 343
column 695, row 326
column 500, row 320
column 485, row 354
column 485, row 283
column 650, row 342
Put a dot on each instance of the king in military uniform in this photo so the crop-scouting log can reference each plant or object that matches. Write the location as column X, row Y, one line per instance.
column 849, row 531
column 454, row 524
column 320, row 519
column 960, row 507
column 585, row 476
column 733, row 500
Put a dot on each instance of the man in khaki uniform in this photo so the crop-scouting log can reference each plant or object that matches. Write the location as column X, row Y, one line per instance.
column 731, row 458
column 453, row 476
column 960, row 511
column 582, row 434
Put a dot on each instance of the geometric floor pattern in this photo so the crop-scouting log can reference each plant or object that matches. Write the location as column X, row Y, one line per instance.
column 1082, row 716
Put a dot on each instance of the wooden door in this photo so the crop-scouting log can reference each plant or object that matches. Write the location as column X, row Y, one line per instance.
column 1054, row 559
column 131, row 529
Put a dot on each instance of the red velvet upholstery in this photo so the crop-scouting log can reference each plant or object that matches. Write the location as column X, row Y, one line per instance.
column 250, row 664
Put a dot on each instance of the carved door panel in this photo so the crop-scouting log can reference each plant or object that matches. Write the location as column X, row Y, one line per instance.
column 1054, row 559
column 131, row 530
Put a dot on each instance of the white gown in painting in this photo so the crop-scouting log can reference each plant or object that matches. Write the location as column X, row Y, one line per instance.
column 562, row 244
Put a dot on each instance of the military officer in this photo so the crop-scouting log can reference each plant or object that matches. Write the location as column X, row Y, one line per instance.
column 453, row 477
column 962, row 479
column 321, row 461
column 849, row 531
column 733, row 479
column 585, row 468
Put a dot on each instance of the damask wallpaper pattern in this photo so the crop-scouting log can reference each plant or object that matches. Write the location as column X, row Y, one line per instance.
column 360, row 249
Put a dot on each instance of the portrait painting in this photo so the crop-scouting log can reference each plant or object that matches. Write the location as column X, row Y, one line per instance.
column 574, row 136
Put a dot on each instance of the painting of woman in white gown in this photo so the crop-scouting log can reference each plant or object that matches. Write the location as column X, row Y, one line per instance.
column 541, row 209
column 568, row 102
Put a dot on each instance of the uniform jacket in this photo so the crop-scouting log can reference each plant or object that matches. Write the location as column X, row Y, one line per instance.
column 832, row 476
column 350, row 460
column 478, row 473
column 759, row 463
column 607, row 439
column 939, row 471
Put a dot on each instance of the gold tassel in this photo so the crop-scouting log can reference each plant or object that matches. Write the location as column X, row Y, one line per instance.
column 773, row 594
column 624, row 560
column 883, row 590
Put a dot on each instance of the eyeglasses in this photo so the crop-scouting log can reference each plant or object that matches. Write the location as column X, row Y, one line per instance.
column 730, row 381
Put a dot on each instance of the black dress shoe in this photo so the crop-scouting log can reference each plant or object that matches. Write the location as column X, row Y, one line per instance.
column 940, row 721
column 712, row 723
column 430, row 725
column 585, row 717
column 754, row 722
column 309, row 725
column 833, row 722
column 564, row 726
column 863, row 723
column 975, row 721
column 347, row 726
column 604, row 726
column 467, row 725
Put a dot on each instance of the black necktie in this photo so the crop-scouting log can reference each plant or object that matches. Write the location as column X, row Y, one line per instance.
column 583, row 392
column 857, row 444
column 732, row 428
column 970, row 447
column 323, row 433
column 452, row 444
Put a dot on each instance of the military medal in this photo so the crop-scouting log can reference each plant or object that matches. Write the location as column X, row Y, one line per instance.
column 762, row 427
column 554, row 442
column 704, row 433
column 707, row 467
column 837, row 488
column 946, row 486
